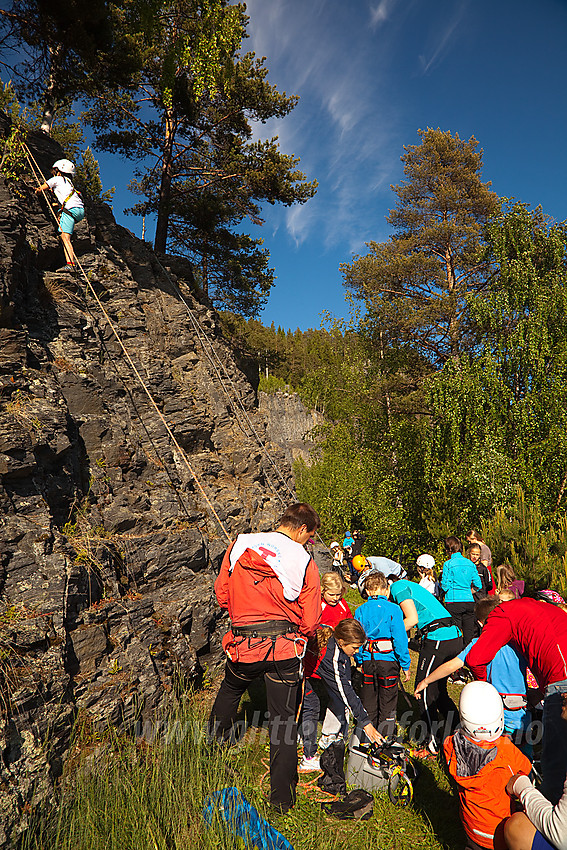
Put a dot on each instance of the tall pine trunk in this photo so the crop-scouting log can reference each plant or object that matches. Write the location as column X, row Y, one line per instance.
column 454, row 329
column 162, row 225
column 49, row 98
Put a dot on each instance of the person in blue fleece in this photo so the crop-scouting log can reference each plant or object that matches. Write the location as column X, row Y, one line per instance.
column 383, row 655
column 459, row 577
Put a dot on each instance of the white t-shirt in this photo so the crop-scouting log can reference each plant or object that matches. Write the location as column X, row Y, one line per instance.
column 62, row 186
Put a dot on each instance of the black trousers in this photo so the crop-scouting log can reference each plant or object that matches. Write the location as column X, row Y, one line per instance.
column 463, row 616
column 439, row 711
column 282, row 680
column 380, row 694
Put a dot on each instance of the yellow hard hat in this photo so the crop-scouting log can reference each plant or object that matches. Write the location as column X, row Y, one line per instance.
column 359, row 563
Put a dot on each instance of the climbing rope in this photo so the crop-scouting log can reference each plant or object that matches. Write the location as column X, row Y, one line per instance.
column 217, row 366
column 212, row 357
column 37, row 171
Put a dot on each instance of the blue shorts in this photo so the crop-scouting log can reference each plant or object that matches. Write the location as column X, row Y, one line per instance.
column 69, row 217
column 541, row 843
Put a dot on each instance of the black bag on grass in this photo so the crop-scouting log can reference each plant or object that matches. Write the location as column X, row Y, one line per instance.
column 332, row 764
column 357, row 805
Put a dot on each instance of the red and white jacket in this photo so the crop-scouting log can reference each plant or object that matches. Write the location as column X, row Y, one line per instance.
column 264, row 577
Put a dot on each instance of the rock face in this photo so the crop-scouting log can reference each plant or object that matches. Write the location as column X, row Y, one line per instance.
column 289, row 423
column 108, row 546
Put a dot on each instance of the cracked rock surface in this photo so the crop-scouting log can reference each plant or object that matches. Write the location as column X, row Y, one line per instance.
column 108, row 549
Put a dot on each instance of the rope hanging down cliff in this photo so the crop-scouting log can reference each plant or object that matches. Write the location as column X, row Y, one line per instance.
column 212, row 356
column 35, row 171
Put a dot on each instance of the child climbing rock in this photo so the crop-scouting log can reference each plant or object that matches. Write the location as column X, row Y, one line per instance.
column 72, row 208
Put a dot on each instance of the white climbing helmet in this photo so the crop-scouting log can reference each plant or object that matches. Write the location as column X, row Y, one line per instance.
column 334, row 545
column 65, row 166
column 481, row 711
column 427, row 561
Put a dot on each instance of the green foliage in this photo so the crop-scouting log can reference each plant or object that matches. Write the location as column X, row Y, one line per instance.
column 9, row 101
column 57, row 52
column 231, row 268
column 272, row 384
column 65, row 130
column 454, row 444
column 349, row 485
column 414, row 286
column 88, row 179
column 189, row 121
column 500, row 419
column 534, row 544
column 14, row 163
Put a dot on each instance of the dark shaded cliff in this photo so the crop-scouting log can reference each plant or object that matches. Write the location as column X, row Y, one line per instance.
column 108, row 549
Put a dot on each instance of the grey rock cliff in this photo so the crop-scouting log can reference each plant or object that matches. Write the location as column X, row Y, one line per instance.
column 289, row 423
column 108, row 549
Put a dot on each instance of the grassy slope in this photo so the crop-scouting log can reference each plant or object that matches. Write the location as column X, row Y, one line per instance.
column 139, row 795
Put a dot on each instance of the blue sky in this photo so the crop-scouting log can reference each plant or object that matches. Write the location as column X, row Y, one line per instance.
column 369, row 75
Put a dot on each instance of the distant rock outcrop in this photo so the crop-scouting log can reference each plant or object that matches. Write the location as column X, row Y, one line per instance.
column 108, row 550
column 290, row 423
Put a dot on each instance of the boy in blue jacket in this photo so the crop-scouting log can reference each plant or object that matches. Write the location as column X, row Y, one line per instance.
column 383, row 654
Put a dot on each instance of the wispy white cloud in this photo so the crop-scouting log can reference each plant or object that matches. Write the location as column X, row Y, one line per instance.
column 343, row 127
column 381, row 12
column 443, row 41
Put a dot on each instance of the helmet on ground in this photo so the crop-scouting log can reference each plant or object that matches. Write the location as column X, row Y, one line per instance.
column 65, row 166
column 427, row 561
column 359, row 563
column 481, row 711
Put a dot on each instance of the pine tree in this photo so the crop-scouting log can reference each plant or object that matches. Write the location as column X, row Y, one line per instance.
column 59, row 51
column 415, row 285
column 188, row 125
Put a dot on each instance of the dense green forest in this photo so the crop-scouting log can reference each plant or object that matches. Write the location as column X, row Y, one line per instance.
column 444, row 391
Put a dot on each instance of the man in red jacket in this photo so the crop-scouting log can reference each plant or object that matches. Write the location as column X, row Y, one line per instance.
column 269, row 584
column 539, row 630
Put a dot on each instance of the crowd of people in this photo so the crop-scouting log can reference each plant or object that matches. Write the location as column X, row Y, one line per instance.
column 294, row 628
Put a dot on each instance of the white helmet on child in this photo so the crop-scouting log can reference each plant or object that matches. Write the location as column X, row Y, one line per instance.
column 481, row 711
column 65, row 166
column 427, row 561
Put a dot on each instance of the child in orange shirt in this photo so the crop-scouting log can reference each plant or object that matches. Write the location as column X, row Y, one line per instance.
column 481, row 760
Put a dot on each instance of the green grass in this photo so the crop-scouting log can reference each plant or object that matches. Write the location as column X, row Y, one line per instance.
column 121, row 793
column 148, row 794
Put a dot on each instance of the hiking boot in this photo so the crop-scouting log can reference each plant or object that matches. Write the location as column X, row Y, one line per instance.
column 308, row 764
